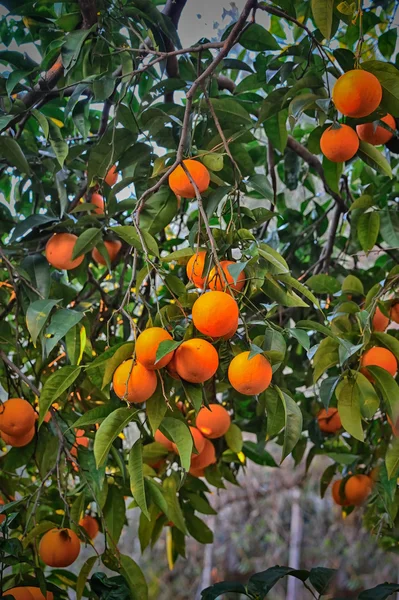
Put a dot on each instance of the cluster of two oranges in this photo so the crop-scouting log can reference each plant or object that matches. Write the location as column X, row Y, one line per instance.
column 356, row 94
column 381, row 321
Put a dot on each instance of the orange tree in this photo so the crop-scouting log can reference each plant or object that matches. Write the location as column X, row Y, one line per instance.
column 186, row 259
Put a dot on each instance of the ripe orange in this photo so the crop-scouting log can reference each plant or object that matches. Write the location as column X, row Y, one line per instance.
column 376, row 135
column 357, row 488
column 112, row 176
column 197, row 472
column 213, row 422
column 59, row 251
column 147, row 345
column 180, row 184
column 162, row 439
column 112, row 246
column 380, row 322
column 335, row 491
column 198, row 442
column 59, row 548
column 196, row 360
column 133, row 382
column 19, row 593
column 37, row 595
column 329, row 420
column 339, row 144
column 215, row 314
column 250, row 377
column 225, row 283
column 205, row 458
column 395, row 313
column 90, row 525
column 379, row 357
column 230, row 333
column 195, row 269
column 98, row 201
column 17, row 417
column 18, row 441
column 357, row 93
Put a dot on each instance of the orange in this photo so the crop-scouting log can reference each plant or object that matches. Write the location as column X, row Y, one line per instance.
column 335, row 491
column 17, row 417
column 59, row 251
column 225, row 283
column 357, row 488
column 197, row 472
column 376, row 135
column 205, row 458
column 18, row 441
column 195, row 269
column 329, row 420
column 112, row 176
column 379, row 357
column 162, row 439
column 147, row 345
column 230, row 333
column 250, row 377
column 395, row 313
column 357, row 93
column 133, row 382
column 215, row 314
column 196, row 360
column 213, row 422
column 81, row 439
column 37, row 595
column 112, row 246
column 339, row 144
column 198, row 442
column 180, row 184
column 171, row 368
column 19, row 593
column 98, row 201
column 90, row 525
column 59, row 547
column 380, row 322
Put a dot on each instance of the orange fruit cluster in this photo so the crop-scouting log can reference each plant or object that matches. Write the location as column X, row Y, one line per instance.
column 219, row 279
column 353, row 492
column 356, row 94
column 17, row 422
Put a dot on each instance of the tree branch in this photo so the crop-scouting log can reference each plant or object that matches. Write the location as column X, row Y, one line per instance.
column 88, row 8
column 18, row 372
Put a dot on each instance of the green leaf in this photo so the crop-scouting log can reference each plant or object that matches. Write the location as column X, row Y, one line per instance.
column 179, row 432
column 323, row 16
column 274, row 345
column 94, row 416
column 134, row 578
column 213, row 161
column 109, row 429
column 159, row 209
column 323, row 284
column 388, row 76
column 389, row 342
column 373, row 157
column 277, row 131
column 87, row 241
column 321, row 578
column 389, row 227
column 83, row 576
column 61, row 322
column 193, row 394
column 155, row 492
column 135, row 468
column 277, row 293
column 352, row 285
column 301, row 337
column 72, row 46
column 273, row 257
column 364, row 201
column 261, row 184
column 56, row 385
column 392, row 459
column 114, row 514
column 257, row 38
column 313, row 325
column 198, row 529
column 37, row 315
column 58, row 143
column 300, row 287
column 129, row 234
column 37, row 531
column 230, row 110
column 234, row 439
column 274, row 410
column 122, row 353
column 164, row 348
column 38, row 271
column 389, row 389
column 380, row 592
column 349, row 408
column 11, row 151
column 293, row 423
column 178, row 255
column 368, row 398
column 368, row 227
column 327, row 356
column 332, row 172
column 174, row 512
